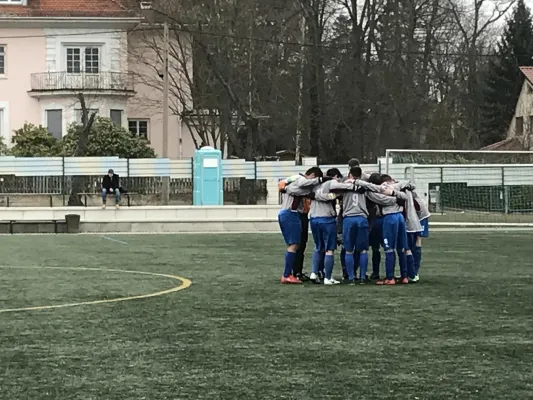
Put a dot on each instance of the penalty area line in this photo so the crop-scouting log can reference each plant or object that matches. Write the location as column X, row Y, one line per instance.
column 185, row 283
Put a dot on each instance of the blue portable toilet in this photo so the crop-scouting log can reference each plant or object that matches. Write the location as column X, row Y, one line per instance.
column 207, row 179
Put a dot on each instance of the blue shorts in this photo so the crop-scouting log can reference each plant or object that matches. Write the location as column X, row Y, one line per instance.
column 291, row 226
column 425, row 228
column 394, row 234
column 355, row 233
column 376, row 236
column 324, row 230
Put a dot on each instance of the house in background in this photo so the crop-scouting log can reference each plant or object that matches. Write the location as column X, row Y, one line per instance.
column 50, row 51
column 520, row 132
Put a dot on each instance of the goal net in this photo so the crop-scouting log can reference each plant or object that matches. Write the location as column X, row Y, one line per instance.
column 469, row 188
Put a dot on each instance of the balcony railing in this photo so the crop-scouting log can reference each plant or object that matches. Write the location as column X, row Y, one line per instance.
column 102, row 81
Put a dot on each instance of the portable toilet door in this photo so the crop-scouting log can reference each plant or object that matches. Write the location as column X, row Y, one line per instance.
column 208, row 183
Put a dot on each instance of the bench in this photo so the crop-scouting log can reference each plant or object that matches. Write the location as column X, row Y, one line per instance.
column 126, row 194
column 13, row 222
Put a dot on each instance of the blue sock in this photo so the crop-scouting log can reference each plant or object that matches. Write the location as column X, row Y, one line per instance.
column 289, row 262
column 376, row 261
column 403, row 263
column 343, row 262
column 363, row 263
column 356, row 261
column 410, row 266
column 317, row 257
column 321, row 264
column 328, row 264
column 390, row 262
column 417, row 255
column 350, row 267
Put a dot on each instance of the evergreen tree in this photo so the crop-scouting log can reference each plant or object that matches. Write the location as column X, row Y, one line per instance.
column 504, row 79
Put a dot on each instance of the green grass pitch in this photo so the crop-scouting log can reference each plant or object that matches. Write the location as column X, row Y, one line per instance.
column 464, row 333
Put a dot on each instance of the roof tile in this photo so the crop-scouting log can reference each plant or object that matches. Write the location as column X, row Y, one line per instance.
column 72, row 8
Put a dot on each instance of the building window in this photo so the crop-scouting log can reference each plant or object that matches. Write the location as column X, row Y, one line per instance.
column 519, row 125
column 138, row 127
column 79, row 114
column 54, row 123
column 83, row 59
column 2, row 59
column 12, row 2
column 116, row 116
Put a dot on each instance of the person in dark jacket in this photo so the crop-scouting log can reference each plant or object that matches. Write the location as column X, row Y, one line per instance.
column 111, row 185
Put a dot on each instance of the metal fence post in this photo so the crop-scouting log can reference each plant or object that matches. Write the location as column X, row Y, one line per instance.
column 441, row 191
column 505, row 193
column 64, row 180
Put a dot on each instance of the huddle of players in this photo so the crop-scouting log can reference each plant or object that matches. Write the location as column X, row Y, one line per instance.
column 374, row 211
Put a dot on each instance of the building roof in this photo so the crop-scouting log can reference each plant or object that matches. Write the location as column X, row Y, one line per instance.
column 510, row 144
column 528, row 73
column 73, row 8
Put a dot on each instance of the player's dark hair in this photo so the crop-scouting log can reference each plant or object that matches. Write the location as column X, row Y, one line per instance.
column 356, row 172
column 354, row 162
column 334, row 172
column 386, row 178
column 316, row 171
column 375, row 178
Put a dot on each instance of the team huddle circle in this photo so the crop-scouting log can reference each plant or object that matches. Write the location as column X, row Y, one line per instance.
column 358, row 213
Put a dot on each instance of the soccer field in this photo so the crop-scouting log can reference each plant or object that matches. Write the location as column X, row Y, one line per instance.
column 464, row 332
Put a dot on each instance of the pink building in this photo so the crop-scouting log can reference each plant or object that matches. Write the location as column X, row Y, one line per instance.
column 52, row 50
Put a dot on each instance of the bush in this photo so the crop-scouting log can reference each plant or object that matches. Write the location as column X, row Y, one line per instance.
column 107, row 139
column 34, row 141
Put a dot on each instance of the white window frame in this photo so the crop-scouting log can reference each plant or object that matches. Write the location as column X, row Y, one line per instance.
column 4, row 55
column 14, row 2
column 82, row 48
column 137, row 120
column 4, row 122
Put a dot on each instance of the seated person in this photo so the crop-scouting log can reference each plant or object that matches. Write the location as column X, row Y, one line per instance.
column 111, row 185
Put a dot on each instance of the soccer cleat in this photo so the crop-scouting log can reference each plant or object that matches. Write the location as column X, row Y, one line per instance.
column 290, row 280
column 386, row 282
column 347, row 281
column 403, row 281
column 374, row 277
column 315, row 278
column 364, row 281
column 416, row 279
column 330, row 281
column 303, row 277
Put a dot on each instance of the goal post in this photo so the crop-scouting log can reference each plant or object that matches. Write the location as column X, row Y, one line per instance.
column 470, row 188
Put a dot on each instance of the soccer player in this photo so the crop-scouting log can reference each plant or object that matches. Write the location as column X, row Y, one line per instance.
column 292, row 205
column 412, row 228
column 355, row 221
column 423, row 214
column 354, row 162
column 297, row 270
column 376, row 225
column 393, row 230
column 323, row 220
